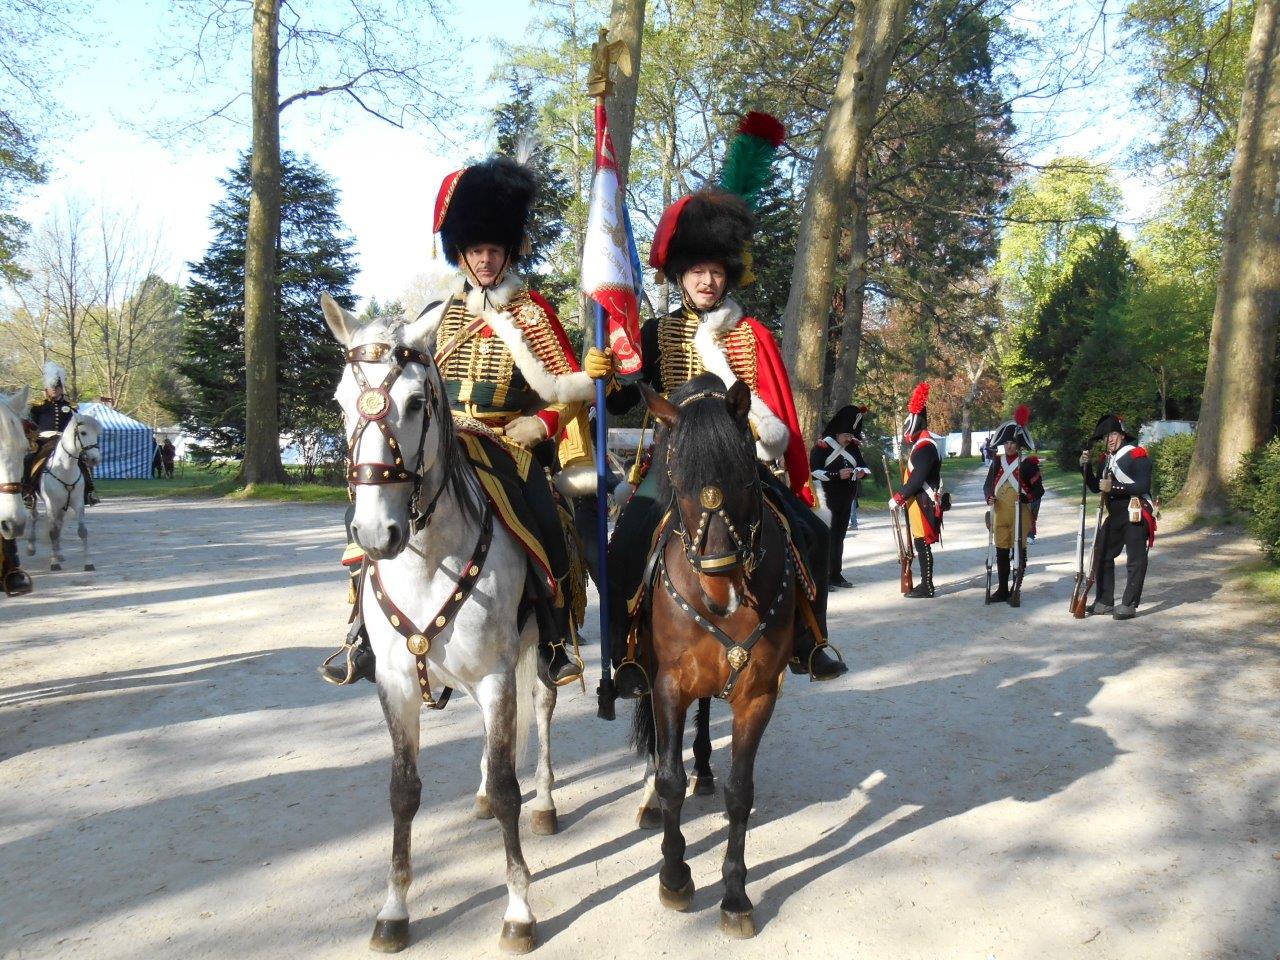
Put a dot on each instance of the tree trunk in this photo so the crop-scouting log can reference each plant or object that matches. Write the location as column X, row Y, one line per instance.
column 864, row 73
column 262, row 414
column 966, row 406
column 626, row 23
column 1235, row 415
column 855, row 297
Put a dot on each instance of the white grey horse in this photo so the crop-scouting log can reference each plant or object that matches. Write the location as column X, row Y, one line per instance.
column 62, row 486
column 406, row 462
column 13, row 447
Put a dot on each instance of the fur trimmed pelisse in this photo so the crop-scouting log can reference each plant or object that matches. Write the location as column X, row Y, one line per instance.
column 714, row 225
column 490, row 204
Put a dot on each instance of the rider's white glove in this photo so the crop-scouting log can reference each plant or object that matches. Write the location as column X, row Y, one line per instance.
column 526, row 431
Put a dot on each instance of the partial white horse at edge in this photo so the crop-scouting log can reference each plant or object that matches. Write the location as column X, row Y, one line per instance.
column 62, row 486
column 482, row 651
column 13, row 447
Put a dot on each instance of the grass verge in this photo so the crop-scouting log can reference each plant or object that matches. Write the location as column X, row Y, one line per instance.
column 220, row 481
column 1261, row 579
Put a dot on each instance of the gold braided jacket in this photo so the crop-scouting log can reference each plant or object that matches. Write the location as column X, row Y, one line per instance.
column 678, row 360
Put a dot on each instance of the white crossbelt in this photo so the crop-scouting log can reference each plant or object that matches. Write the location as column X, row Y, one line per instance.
column 1114, row 464
column 1007, row 477
column 837, row 453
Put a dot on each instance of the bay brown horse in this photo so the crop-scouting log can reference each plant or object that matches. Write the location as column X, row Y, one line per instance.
column 718, row 621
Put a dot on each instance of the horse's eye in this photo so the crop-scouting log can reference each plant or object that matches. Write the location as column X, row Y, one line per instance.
column 416, row 403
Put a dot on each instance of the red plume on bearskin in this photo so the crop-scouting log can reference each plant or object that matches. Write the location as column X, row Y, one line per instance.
column 1022, row 416
column 765, row 126
column 918, row 398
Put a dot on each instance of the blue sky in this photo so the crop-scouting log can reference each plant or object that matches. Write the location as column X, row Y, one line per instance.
column 387, row 177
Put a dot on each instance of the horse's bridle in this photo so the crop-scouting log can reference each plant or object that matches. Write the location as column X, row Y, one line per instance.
column 373, row 405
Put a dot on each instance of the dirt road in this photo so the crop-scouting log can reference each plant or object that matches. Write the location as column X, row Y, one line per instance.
column 984, row 783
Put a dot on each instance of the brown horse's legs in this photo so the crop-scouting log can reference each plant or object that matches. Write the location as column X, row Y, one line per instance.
column 704, row 782
column 750, row 717
column 675, row 880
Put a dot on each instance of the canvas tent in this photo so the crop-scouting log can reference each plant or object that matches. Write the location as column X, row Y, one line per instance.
column 127, row 445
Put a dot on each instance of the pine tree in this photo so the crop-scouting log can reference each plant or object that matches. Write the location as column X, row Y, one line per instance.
column 315, row 256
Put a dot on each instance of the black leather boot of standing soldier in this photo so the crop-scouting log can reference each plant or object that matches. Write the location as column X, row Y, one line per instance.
column 1002, row 566
column 923, row 589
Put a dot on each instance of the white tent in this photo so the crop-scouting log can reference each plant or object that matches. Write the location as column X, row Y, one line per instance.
column 127, row 444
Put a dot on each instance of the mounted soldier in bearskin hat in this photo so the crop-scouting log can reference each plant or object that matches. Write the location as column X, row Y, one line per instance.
column 48, row 417
column 1124, row 478
column 921, row 492
column 512, row 379
column 702, row 246
column 836, row 461
column 1012, row 479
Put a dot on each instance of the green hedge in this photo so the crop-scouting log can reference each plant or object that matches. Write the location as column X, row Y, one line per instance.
column 1170, row 461
column 1256, row 490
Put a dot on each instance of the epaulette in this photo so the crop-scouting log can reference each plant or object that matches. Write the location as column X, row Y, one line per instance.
column 823, row 445
column 1033, row 461
column 1139, row 452
column 42, row 402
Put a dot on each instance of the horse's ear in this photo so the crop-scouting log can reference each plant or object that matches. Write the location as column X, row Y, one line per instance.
column 658, row 405
column 738, row 401
column 18, row 402
column 341, row 323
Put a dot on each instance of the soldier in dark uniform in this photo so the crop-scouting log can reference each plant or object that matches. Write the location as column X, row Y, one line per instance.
column 1124, row 476
column 508, row 367
column 700, row 244
column 1012, row 479
column 49, row 417
column 836, row 462
column 921, row 491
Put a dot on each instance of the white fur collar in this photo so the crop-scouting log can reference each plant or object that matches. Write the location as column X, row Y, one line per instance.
column 772, row 434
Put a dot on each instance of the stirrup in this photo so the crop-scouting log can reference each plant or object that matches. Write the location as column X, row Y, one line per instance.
column 544, row 665
column 631, row 681
column 17, row 583
column 807, row 666
column 331, row 675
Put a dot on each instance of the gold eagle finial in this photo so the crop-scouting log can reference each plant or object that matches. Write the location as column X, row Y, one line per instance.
column 604, row 57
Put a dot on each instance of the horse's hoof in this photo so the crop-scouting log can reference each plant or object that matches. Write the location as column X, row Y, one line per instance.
column 737, row 926
column 517, row 936
column 390, row 936
column 704, row 786
column 676, row 899
column 483, row 810
column 545, row 823
column 89, row 568
column 649, row 819
column 55, row 565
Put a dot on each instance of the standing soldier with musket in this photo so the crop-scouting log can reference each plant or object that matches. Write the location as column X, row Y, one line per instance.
column 837, row 463
column 1012, row 479
column 1124, row 480
column 921, row 491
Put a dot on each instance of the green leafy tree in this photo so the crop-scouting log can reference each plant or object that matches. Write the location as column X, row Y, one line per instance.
column 315, row 256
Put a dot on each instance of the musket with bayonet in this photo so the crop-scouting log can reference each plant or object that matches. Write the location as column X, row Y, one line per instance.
column 906, row 549
column 1084, row 583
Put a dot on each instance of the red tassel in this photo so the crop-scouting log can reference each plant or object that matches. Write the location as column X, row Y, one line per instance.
column 1022, row 416
column 918, row 398
column 765, row 126
column 863, row 409
column 1140, row 452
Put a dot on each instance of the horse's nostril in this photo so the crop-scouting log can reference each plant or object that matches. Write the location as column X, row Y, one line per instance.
column 393, row 536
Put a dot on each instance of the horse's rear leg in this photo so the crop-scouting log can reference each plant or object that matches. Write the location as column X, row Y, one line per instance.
column 31, row 531
column 402, row 709
column 497, row 696
column 675, row 882
column 704, row 781
column 750, row 717
column 83, row 533
column 545, row 821
column 649, row 816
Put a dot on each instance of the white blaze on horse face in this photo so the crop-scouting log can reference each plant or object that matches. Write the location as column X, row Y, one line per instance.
column 88, row 434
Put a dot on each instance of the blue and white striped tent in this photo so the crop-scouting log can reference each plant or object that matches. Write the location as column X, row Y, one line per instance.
column 127, row 444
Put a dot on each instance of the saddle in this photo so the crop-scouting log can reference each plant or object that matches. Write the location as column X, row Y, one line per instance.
column 36, row 463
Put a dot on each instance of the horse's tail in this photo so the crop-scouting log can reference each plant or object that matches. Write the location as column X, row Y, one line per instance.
column 644, row 735
column 526, row 677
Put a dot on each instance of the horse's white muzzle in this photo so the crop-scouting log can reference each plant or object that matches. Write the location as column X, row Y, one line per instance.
column 381, row 530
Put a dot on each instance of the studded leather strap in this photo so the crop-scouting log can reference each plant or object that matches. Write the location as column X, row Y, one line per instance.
column 419, row 640
column 10, row 487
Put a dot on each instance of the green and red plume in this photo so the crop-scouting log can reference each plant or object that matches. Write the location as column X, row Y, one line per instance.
column 749, row 162
column 1022, row 416
column 918, row 398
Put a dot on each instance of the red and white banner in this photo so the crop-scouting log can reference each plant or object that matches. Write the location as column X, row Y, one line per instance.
column 610, row 267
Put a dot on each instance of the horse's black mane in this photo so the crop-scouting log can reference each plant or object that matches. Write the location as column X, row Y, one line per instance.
column 707, row 446
column 458, row 475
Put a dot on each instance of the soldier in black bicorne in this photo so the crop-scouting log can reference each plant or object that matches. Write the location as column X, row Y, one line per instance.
column 1124, row 477
column 836, row 462
column 1013, row 478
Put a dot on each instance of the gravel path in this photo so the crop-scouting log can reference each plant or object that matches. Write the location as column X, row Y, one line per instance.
column 984, row 783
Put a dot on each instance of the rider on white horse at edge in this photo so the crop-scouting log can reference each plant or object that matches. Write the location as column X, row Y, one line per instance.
column 506, row 364
column 48, row 418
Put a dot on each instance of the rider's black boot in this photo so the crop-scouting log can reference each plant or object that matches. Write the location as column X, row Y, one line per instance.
column 15, row 580
column 357, row 659
column 924, row 589
column 1002, row 565
column 556, row 664
column 91, row 498
column 816, row 659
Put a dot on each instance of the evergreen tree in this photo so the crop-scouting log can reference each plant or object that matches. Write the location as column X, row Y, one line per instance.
column 552, row 264
column 315, row 256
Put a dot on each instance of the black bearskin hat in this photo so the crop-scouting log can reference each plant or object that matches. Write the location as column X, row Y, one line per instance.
column 1110, row 424
column 488, row 202
column 706, row 225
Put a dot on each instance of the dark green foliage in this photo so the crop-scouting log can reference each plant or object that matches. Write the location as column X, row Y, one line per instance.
column 772, row 254
column 19, row 169
column 1170, row 461
column 1256, row 489
column 315, row 256
column 516, row 127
